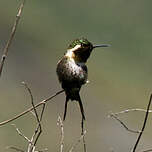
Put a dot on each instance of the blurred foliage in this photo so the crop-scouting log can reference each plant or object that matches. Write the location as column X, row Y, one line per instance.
column 120, row 76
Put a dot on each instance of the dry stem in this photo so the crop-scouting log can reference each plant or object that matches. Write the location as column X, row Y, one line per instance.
column 60, row 123
column 144, row 124
column 31, row 108
column 9, row 42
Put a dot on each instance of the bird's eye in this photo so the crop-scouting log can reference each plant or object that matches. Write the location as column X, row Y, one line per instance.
column 83, row 44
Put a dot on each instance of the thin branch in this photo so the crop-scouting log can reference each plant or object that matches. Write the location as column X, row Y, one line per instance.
column 42, row 112
column 39, row 126
column 83, row 136
column 60, row 123
column 75, row 145
column 36, row 115
column 144, row 124
column 31, row 108
column 15, row 148
column 32, row 142
column 14, row 28
column 122, row 123
column 148, row 150
column 31, row 147
column 43, row 150
column 35, row 136
column 132, row 110
column 32, row 101
column 22, row 135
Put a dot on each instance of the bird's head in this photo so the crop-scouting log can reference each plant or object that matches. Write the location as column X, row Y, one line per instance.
column 80, row 49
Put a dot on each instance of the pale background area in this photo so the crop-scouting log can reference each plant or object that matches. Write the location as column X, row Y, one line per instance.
column 120, row 76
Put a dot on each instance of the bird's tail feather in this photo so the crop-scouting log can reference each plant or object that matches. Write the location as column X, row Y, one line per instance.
column 65, row 108
column 78, row 98
column 81, row 107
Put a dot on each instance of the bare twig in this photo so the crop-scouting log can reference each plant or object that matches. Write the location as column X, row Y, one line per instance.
column 14, row 28
column 75, row 145
column 32, row 142
column 42, row 112
column 83, row 136
column 144, row 124
column 30, row 93
column 43, row 150
column 35, row 136
column 122, row 123
column 21, row 134
column 131, row 110
column 15, row 148
column 31, row 147
column 148, row 150
column 36, row 115
column 60, row 123
column 31, row 108
column 39, row 126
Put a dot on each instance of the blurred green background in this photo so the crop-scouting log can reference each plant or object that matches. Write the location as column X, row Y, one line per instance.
column 120, row 76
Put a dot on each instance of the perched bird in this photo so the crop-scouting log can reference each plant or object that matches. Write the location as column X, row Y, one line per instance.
column 72, row 71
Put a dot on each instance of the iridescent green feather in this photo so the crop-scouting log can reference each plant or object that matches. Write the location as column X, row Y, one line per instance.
column 80, row 41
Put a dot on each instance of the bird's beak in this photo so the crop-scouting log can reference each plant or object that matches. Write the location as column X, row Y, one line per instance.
column 101, row 45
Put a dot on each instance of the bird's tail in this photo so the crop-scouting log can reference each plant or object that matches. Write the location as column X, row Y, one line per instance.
column 77, row 98
column 65, row 107
column 81, row 107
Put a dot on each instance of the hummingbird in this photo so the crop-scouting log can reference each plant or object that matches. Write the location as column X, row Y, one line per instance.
column 72, row 71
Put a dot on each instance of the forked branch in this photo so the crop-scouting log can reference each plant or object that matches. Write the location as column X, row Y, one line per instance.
column 31, row 108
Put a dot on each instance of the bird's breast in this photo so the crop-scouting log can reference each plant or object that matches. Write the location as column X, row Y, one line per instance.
column 69, row 71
